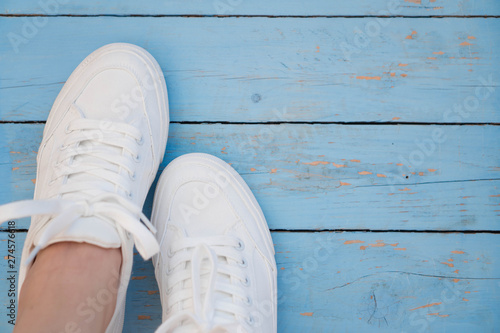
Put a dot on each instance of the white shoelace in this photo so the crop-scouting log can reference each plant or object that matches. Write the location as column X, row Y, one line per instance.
column 92, row 180
column 202, row 315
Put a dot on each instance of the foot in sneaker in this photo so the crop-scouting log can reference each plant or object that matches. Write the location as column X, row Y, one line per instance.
column 216, row 269
column 103, row 142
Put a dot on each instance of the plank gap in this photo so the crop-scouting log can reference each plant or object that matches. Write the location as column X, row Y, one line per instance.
column 251, row 16
column 383, row 123
column 387, row 231
column 347, row 230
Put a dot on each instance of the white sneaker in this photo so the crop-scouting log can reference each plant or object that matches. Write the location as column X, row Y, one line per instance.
column 102, row 144
column 215, row 269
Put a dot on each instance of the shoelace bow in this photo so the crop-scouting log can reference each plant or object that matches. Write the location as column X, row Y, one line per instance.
column 108, row 204
column 202, row 316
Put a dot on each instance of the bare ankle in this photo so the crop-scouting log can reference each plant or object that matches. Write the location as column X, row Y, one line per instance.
column 73, row 284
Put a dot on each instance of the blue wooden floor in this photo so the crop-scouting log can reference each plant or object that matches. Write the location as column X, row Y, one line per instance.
column 367, row 129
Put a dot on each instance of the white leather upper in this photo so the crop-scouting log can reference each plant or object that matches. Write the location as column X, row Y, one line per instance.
column 103, row 142
column 201, row 201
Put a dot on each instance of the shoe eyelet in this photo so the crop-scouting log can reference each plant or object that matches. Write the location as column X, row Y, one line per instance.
column 246, row 283
column 250, row 320
column 63, row 147
column 241, row 245
column 130, row 195
column 52, row 182
column 132, row 176
column 243, row 263
column 248, row 301
column 169, row 291
column 137, row 158
column 169, row 252
column 140, row 141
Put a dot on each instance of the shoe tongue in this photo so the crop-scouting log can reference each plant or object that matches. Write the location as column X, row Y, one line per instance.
column 200, row 210
column 92, row 230
column 88, row 159
column 220, row 317
column 88, row 108
column 88, row 150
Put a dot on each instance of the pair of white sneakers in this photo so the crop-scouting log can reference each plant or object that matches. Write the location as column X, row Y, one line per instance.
column 102, row 145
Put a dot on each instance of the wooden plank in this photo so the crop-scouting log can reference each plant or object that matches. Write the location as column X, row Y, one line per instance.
column 351, row 281
column 329, row 176
column 252, row 69
column 326, row 283
column 257, row 7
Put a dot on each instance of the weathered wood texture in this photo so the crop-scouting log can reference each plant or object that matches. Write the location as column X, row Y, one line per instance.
column 344, row 282
column 329, row 176
column 244, row 69
column 256, row 7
